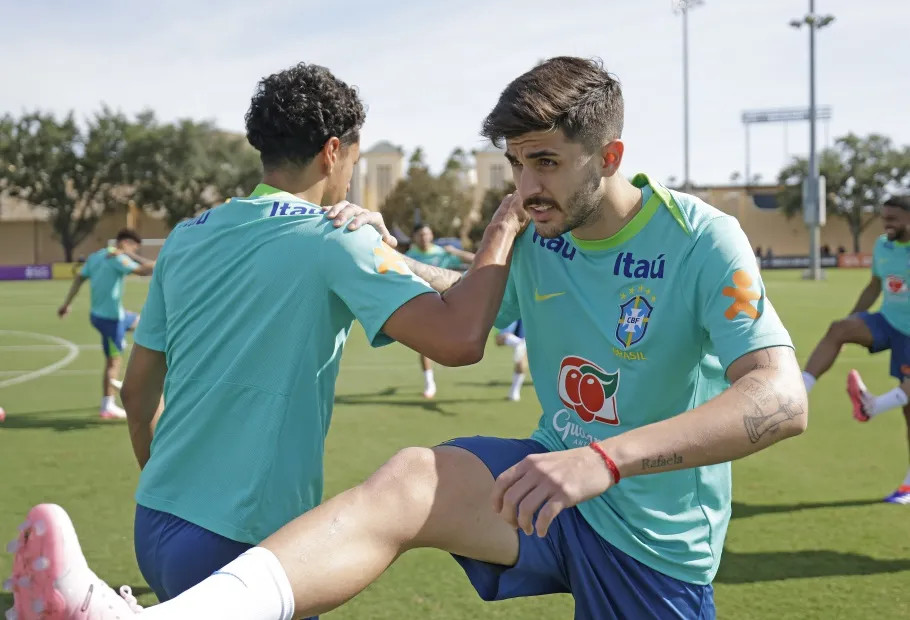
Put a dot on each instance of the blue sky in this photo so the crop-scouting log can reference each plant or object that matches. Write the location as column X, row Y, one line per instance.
column 430, row 71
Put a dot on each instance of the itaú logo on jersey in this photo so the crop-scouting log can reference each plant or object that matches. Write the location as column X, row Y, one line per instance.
column 895, row 285
column 588, row 390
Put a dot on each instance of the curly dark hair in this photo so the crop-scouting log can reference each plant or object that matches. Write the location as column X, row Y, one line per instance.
column 128, row 234
column 293, row 113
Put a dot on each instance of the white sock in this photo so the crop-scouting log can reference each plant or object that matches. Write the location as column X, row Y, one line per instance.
column 252, row 587
column 428, row 378
column 517, row 379
column 106, row 402
column 809, row 380
column 907, row 480
column 512, row 340
column 889, row 400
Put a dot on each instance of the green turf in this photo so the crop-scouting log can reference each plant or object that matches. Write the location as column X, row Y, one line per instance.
column 809, row 538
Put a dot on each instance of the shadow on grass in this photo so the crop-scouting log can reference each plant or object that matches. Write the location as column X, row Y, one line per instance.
column 493, row 383
column 741, row 568
column 743, row 511
column 380, row 398
column 53, row 420
column 6, row 598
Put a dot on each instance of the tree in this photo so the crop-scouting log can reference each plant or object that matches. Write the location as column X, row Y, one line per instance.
column 491, row 201
column 859, row 172
column 184, row 168
column 75, row 173
column 439, row 201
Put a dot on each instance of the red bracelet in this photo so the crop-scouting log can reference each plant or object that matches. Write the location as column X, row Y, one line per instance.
column 614, row 470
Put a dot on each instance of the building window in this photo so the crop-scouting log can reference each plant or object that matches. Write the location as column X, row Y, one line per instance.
column 497, row 176
column 383, row 181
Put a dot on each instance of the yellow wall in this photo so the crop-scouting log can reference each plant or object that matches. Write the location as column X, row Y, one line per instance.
column 768, row 228
column 33, row 242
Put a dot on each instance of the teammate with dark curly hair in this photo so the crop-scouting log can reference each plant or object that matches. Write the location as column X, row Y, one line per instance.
column 247, row 313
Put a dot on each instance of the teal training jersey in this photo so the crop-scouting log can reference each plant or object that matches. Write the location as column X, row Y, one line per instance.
column 436, row 256
column 252, row 303
column 891, row 264
column 636, row 329
column 105, row 272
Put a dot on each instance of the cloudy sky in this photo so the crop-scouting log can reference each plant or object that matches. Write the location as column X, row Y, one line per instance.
column 430, row 70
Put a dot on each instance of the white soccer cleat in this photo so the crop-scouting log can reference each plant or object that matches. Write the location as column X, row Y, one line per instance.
column 112, row 412
column 51, row 579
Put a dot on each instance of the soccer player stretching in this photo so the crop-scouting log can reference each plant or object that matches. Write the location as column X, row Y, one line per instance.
column 889, row 328
column 657, row 359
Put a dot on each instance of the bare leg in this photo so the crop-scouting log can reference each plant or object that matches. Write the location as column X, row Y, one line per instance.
column 420, row 498
column 852, row 330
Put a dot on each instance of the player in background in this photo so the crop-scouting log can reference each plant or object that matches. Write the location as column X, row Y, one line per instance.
column 243, row 329
column 425, row 251
column 667, row 402
column 887, row 329
column 513, row 336
column 105, row 270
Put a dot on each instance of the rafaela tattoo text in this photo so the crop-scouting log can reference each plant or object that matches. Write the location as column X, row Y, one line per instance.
column 770, row 408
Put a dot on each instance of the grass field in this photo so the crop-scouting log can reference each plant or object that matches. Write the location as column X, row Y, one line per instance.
column 809, row 537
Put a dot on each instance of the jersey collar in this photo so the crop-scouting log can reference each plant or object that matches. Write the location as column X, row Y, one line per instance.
column 661, row 196
column 267, row 190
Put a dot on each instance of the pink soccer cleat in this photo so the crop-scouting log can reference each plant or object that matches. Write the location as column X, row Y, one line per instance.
column 858, row 394
column 51, row 579
column 2, row 415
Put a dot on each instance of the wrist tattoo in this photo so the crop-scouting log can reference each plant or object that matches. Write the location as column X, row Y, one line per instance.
column 769, row 408
column 438, row 278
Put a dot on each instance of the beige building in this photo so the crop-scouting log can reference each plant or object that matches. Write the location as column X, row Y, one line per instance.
column 376, row 176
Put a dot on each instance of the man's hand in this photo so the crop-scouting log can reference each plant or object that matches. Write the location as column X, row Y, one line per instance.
column 344, row 211
column 511, row 211
column 63, row 310
column 553, row 480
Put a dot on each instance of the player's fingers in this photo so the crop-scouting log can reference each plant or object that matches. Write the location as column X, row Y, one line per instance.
column 529, row 506
column 514, row 496
column 392, row 241
column 503, row 482
column 548, row 514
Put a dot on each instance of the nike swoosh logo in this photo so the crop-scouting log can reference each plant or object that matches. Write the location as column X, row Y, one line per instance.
column 539, row 297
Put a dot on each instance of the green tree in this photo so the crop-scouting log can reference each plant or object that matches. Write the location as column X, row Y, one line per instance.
column 75, row 173
column 184, row 168
column 859, row 172
column 440, row 201
column 491, row 201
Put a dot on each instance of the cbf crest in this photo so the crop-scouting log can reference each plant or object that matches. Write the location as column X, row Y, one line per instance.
column 634, row 316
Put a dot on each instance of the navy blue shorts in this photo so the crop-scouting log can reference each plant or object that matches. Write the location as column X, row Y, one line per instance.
column 174, row 555
column 606, row 583
column 113, row 332
column 885, row 337
column 516, row 328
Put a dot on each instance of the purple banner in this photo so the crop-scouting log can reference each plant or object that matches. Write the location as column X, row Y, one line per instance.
column 25, row 272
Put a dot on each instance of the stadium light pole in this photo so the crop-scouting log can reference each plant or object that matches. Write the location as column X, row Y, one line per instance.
column 683, row 7
column 814, row 21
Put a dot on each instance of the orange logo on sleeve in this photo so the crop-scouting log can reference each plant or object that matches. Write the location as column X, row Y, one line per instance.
column 742, row 294
column 390, row 260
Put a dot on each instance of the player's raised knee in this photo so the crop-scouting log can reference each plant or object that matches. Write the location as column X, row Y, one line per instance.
column 408, row 478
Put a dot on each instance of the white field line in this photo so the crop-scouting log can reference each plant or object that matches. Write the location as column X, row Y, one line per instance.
column 72, row 352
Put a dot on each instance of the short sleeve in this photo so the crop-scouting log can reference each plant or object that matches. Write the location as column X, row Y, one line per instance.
column 730, row 298
column 370, row 277
column 450, row 261
column 876, row 255
column 124, row 264
column 86, row 270
column 152, row 330
column 508, row 309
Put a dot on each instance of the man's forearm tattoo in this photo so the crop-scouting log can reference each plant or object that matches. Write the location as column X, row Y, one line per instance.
column 769, row 408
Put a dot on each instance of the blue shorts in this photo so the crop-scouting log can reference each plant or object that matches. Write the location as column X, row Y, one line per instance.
column 113, row 332
column 174, row 555
column 605, row 582
column 515, row 328
column 885, row 337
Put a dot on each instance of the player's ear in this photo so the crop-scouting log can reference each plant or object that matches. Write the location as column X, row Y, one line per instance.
column 612, row 153
column 330, row 153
